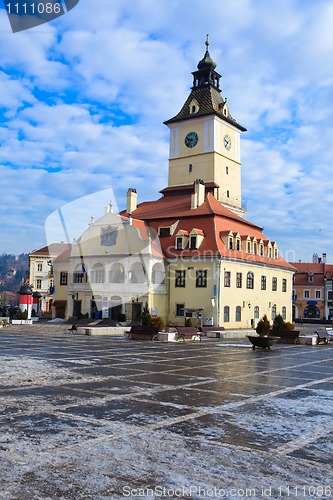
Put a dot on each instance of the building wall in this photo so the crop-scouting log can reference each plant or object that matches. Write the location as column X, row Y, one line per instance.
column 216, row 296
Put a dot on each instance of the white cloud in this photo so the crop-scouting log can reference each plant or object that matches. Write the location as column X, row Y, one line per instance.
column 84, row 98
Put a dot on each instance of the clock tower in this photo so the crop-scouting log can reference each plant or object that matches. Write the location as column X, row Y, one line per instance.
column 205, row 139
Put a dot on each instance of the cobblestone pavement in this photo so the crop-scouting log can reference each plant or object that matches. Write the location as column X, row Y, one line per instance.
column 107, row 418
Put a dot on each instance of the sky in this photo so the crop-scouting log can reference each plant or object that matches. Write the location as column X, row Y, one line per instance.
column 83, row 99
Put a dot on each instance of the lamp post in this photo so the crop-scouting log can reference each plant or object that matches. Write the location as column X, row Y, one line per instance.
column 328, row 290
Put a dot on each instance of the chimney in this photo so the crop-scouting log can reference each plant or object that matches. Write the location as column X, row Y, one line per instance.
column 198, row 197
column 324, row 258
column 131, row 200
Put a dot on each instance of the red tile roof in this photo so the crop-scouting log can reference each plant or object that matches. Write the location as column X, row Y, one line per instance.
column 210, row 219
column 54, row 249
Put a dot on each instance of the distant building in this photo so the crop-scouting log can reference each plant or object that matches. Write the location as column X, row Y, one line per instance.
column 41, row 276
column 312, row 289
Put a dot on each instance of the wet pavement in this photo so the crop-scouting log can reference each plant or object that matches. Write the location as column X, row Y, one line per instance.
column 100, row 417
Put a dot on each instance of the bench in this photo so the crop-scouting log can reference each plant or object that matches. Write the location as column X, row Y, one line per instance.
column 188, row 332
column 140, row 332
column 323, row 338
column 215, row 329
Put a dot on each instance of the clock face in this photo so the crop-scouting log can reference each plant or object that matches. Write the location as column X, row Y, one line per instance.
column 227, row 142
column 191, row 139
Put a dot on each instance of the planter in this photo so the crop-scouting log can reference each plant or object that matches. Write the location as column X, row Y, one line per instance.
column 287, row 336
column 262, row 342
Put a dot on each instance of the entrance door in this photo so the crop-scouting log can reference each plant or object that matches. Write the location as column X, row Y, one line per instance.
column 136, row 311
column 77, row 308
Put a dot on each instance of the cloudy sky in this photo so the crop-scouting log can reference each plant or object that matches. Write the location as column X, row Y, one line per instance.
column 83, row 99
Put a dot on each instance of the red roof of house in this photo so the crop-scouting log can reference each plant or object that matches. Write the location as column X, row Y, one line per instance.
column 211, row 219
column 54, row 249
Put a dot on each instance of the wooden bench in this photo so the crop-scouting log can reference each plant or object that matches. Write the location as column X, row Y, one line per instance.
column 207, row 329
column 190, row 332
column 322, row 338
column 140, row 332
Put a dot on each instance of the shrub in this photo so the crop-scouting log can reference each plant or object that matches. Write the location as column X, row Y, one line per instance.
column 188, row 322
column 25, row 314
column 263, row 326
column 19, row 314
column 280, row 325
column 158, row 322
column 145, row 316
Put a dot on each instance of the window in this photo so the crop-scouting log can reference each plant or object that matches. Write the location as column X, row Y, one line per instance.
column 40, row 267
column 227, row 276
column 226, row 313
column 306, row 294
column 158, row 274
column 78, row 277
column 273, row 312
column 117, row 273
column 256, row 312
column 180, row 279
column 261, row 250
column 275, row 253
column 228, row 194
column 193, row 242
column 330, row 296
column 255, row 248
column 284, row 285
column 231, row 243
column 248, row 247
column 239, row 280
column 263, row 282
column 274, row 284
column 269, row 253
column 238, row 244
column 284, row 312
column 63, row 278
column 179, row 243
column 227, row 170
column 250, row 280
column 180, row 310
column 201, row 278
column 190, row 168
column 318, row 294
column 38, row 284
column 164, row 231
column 310, row 278
column 238, row 313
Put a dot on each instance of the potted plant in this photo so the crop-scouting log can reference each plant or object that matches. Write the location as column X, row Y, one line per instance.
column 263, row 339
column 285, row 330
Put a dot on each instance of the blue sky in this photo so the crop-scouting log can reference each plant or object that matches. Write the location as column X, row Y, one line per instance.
column 83, row 100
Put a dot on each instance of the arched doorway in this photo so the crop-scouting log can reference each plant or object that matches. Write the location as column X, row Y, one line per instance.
column 312, row 312
column 116, row 308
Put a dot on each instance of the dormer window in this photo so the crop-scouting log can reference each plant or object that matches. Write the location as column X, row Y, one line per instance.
column 231, row 243
column 193, row 242
column 179, row 243
column 249, row 247
column 164, row 231
column 196, row 237
column 181, row 239
column 238, row 244
column 194, row 106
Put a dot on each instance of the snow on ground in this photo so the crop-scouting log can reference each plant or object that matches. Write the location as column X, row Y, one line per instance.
column 85, row 418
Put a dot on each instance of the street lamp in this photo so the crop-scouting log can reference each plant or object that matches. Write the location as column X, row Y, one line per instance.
column 329, row 295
